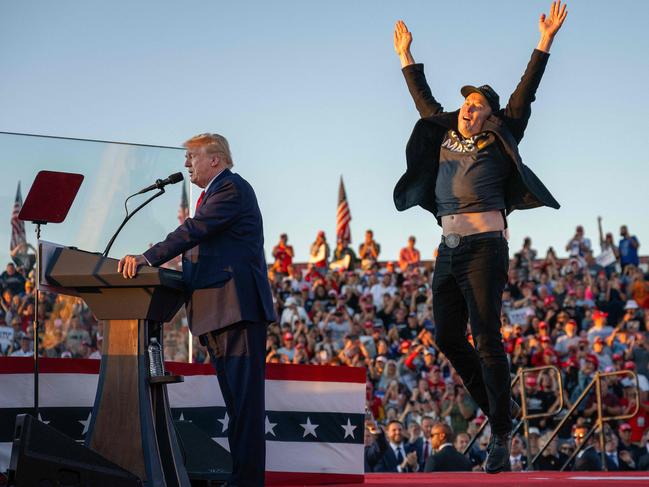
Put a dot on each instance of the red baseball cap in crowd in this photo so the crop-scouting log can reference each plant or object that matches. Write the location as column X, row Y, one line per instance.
column 571, row 323
column 625, row 427
column 628, row 365
column 405, row 345
column 545, row 339
column 617, row 356
column 571, row 362
column 369, row 324
column 288, row 336
column 543, row 324
column 598, row 314
column 549, row 300
column 530, row 381
column 593, row 360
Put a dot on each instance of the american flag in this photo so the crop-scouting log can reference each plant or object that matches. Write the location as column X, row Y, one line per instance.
column 343, row 216
column 17, row 226
column 314, row 421
column 183, row 211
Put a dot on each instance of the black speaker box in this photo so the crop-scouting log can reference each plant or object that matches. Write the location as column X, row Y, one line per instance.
column 41, row 456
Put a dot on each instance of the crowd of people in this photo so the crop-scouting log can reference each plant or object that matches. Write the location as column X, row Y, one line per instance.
column 582, row 314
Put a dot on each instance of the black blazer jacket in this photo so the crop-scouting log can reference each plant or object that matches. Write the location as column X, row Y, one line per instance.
column 448, row 459
column 224, row 266
column 417, row 186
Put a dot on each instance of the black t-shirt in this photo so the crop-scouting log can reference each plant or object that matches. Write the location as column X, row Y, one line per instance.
column 472, row 174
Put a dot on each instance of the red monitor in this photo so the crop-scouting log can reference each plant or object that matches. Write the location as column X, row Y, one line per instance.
column 50, row 197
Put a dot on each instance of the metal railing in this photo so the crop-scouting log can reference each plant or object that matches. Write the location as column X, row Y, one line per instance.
column 596, row 383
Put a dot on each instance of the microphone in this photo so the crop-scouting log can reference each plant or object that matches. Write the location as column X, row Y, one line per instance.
column 161, row 183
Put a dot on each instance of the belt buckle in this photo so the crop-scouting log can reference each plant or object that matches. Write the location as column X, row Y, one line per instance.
column 452, row 240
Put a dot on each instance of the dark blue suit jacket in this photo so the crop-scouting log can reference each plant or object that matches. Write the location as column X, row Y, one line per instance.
column 388, row 461
column 224, row 266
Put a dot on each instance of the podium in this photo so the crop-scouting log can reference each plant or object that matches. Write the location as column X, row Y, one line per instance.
column 131, row 423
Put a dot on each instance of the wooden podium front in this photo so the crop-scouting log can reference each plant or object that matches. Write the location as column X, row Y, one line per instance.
column 131, row 423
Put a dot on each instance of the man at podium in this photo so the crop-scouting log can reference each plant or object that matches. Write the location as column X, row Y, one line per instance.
column 229, row 301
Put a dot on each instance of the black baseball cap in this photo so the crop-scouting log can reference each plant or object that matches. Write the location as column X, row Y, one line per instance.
column 485, row 90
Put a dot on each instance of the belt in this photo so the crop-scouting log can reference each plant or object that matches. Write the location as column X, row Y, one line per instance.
column 452, row 240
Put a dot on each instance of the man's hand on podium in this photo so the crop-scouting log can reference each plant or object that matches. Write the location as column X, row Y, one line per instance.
column 129, row 264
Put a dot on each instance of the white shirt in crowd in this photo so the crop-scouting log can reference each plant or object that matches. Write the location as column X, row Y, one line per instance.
column 21, row 353
column 378, row 291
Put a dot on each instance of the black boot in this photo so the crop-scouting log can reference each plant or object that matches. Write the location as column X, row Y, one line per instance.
column 498, row 453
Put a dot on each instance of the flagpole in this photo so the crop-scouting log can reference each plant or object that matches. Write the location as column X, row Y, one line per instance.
column 190, row 339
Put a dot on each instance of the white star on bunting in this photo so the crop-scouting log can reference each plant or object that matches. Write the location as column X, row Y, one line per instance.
column 269, row 427
column 349, row 429
column 309, row 428
column 224, row 422
column 85, row 423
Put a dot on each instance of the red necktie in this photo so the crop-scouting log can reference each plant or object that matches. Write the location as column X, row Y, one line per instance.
column 198, row 202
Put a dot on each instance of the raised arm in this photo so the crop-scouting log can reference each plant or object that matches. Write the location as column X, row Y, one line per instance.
column 519, row 107
column 414, row 73
column 601, row 233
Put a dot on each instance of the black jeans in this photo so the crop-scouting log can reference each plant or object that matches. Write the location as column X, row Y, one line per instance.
column 467, row 285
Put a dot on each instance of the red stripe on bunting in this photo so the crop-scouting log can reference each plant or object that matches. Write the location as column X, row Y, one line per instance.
column 303, row 478
column 25, row 365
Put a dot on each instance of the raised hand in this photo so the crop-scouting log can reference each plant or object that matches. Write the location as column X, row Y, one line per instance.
column 402, row 38
column 402, row 41
column 550, row 25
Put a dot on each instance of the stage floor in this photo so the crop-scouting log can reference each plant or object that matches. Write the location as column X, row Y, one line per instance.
column 509, row 479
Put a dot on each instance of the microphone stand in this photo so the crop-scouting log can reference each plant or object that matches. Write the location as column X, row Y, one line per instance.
column 128, row 217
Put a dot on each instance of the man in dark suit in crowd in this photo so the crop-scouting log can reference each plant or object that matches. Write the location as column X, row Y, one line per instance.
column 446, row 457
column 398, row 456
column 588, row 459
column 376, row 444
column 424, row 445
column 229, row 301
